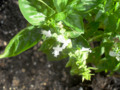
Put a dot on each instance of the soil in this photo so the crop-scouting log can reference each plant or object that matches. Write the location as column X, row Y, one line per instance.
column 31, row 70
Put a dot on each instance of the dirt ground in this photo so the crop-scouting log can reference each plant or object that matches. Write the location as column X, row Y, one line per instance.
column 31, row 71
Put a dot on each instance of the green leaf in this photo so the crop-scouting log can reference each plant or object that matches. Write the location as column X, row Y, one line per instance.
column 107, row 64
column 117, row 5
column 72, row 34
column 48, row 44
column 111, row 23
column 24, row 40
column 75, row 22
column 91, row 28
column 80, row 42
column 95, row 56
column 77, row 62
column 60, row 4
column 83, row 5
column 35, row 11
column 60, row 16
column 117, row 67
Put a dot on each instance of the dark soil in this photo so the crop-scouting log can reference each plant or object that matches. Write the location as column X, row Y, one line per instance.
column 30, row 70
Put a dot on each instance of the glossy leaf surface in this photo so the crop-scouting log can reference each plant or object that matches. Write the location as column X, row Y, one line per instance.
column 75, row 22
column 24, row 40
column 35, row 11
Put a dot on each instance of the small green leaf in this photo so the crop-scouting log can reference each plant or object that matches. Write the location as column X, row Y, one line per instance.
column 117, row 67
column 75, row 22
column 60, row 4
column 48, row 44
column 72, row 34
column 80, row 42
column 111, row 23
column 60, row 16
column 24, row 40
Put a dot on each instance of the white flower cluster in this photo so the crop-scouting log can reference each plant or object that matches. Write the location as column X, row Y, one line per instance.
column 58, row 49
column 114, row 54
column 86, row 49
column 60, row 25
column 46, row 33
column 61, row 39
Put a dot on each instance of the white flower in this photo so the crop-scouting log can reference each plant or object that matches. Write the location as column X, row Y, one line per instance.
column 60, row 25
column 118, row 58
column 56, row 50
column 86, row 49
column 47, row 33
column 61, row 39
column 112, row 53
column 66, row 43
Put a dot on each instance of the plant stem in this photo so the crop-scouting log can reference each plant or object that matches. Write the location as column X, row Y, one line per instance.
column 46, row 5
column 99, row 36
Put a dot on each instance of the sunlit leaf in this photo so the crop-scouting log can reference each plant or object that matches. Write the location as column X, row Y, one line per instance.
column 24, row 40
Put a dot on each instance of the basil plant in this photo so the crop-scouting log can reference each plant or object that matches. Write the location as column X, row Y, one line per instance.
column 87, row 32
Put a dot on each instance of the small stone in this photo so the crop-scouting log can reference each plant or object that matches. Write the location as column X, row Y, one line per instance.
column 3, row 87
column 23, row 70
column 2, row 22
column 27, row 64
column 34, row 63
column 10, row 88
column 49, row 65
column 32, row 85
column 23, row 87
column 15, row 82
column 5, row 43
column 81, row 88
column 44, row 84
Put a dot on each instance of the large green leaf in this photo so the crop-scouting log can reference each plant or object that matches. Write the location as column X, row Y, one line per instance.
column 35, row 11
column 24, row 40
column 60, row 4
column 83, row 5
column 75, row 22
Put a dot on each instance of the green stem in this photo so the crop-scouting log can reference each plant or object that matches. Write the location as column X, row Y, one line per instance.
column 99, row 36
column 46, row 5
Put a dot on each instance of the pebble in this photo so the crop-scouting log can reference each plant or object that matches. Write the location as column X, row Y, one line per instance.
column 49, row 65
column 23, row 70
column 44, row 84
column 5, row 43
column 31, row 85
column 27, row 64
column 81, row 88
column 3, row 87
column 23, row 87
column 2, row 22
column 15, row 82
column 34, row 63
